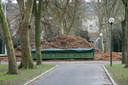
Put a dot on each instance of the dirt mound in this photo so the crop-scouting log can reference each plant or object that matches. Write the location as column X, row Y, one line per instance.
column 67, row 42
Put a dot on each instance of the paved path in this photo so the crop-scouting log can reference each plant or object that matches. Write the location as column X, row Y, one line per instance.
column 75, row 73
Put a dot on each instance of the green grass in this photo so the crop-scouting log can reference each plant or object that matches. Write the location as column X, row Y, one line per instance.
column 118, row 73
column 119, row 52
column 23, row 76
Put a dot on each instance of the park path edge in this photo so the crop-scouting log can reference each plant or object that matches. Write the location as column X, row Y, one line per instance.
column 111, row 79
column 41, row 75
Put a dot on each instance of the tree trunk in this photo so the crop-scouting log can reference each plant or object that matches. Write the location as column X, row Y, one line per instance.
column 26, row 62
column 61, row 28
column 25, row 46
column 37, row 11
column 123, row 42
column 12, row 67
column 106, row 47
column 126, row 15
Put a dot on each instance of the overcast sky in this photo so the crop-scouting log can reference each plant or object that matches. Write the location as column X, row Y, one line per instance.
column 5, row 1
column 14, row 1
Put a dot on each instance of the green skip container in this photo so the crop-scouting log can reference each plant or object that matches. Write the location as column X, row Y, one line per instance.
column 77, row 53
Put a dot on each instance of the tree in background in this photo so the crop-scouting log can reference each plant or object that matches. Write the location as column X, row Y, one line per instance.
column 12, row 67
column 25, row 12
column 50, row 31
column 82, row 33
column 63, row 14
column 13, row 17
column 117, row 39
column 37, row 14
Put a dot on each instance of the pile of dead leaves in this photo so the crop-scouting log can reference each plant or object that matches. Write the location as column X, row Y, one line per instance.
column 106, row 56
column 5, row 59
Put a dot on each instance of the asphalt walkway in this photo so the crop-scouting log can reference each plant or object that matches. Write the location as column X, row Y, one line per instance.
column 75, row 73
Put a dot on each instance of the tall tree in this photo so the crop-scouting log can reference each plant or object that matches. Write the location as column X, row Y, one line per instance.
column 12, row 67
column 125, row 2
column 37, row 14
column 26, row 7
column 123, row 42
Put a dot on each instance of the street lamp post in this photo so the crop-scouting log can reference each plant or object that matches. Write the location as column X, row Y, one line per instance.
column 98, row 42
column 101, row 41
column 111, row 21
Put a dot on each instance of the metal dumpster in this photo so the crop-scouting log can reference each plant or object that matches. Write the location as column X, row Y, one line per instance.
column 65, row 53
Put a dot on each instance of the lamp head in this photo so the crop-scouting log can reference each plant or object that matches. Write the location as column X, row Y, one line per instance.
column 111, row 20
column 101, row 34
column 37, row 2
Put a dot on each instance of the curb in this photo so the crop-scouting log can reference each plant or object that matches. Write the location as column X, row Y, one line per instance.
column 111, row 79
column 41, row 75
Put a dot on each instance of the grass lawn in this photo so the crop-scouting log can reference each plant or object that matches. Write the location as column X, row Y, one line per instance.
column 23, row 76
column 118, row 73
column 119, row 52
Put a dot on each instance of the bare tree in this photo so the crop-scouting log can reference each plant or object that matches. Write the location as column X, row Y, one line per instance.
column 125, row 2
column 12, row 67
column 124, row 41
column 37, row 12
column 25, row 12
column 64, row 13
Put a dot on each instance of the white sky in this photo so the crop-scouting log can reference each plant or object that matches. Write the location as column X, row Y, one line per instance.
column 92, row 0
column 6, row 1
column 87, row 0
column 14, row 1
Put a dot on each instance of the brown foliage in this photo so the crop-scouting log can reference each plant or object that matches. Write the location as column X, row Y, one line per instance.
column 106, row 56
